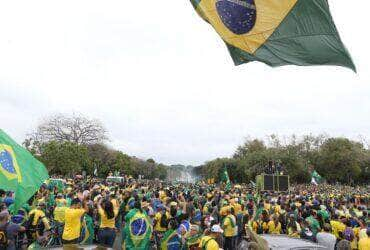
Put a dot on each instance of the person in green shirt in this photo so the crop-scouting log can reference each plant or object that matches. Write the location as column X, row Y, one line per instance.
column 313, row 223
column 324, row 214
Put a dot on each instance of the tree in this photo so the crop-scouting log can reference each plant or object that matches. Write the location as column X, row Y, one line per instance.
column 66, row 158
column 248, row 147
column 76, row 128
column 340, row 160
column 107, row 160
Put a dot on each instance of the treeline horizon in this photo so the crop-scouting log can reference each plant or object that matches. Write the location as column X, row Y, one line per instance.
column 71, row 144
column 337, row 159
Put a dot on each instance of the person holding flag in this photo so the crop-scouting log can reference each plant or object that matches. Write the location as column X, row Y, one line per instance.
column 230, row 229
column 316, row 179
column 138, row 229
column 225, row 178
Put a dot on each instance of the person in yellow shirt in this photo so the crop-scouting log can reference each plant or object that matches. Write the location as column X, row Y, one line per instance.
column 73, row 218
column 39, row 223
column 108, row 214
column 237, row 207
column 209, row 242
column 274, row 226
column 60, row 201
column 59, row 215
column 364, row 243
column 293, row 227
column 267, row 205
column 230, row 230
column 159, row 222
column 337, row 226
column 225, row 207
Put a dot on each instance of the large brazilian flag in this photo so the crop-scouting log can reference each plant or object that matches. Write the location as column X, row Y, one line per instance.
column 19, row 170
column 277, row 32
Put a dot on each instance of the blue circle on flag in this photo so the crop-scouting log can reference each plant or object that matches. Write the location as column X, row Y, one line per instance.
column 6, row 162
column 239, row 16
column 138, row 227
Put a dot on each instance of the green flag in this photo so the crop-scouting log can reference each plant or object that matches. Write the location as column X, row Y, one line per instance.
column 19, row 170
column 280, row 32
column 225, row 178
column 316, row 178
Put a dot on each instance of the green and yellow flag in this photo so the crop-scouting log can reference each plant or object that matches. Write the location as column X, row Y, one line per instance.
column 276, row 32
column 225, row 178
column 19, row 170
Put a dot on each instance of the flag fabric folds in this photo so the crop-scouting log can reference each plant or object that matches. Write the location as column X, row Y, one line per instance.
column 225, row 178
column 277, row 33
column 19, row 170
column 316, row 178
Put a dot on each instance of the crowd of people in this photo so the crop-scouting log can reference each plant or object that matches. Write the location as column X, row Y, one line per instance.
column 142, row 214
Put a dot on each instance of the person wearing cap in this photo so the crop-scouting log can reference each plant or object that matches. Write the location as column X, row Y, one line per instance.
column 209, row 242
column 73, row 218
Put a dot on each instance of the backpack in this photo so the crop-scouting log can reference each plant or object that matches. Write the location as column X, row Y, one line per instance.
column 3, row 237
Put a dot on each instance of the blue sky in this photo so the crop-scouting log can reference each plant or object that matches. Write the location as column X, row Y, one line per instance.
column 162, row 82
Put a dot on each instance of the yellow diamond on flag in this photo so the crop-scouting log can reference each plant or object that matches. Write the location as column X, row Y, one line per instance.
column 245, row 24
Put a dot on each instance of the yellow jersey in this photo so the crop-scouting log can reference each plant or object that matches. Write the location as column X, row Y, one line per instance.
column 72, row 226
column 37, row 216
column 157, row 218
column 208, row 243
column 229, row 226
column 274, row 229
column 59, row 214
column 337, row 227
column 105, row 222
column 364, row 244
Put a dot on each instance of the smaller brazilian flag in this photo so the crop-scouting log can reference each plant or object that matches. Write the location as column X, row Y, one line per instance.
column 20, row 172
column 87, row 232
column 316, row 178
column 276, row 32
column 225, row 178
column 171, row 241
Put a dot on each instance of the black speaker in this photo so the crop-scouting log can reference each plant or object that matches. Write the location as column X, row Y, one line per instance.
column 274, row 182
column 283, row 183
column 268, row 182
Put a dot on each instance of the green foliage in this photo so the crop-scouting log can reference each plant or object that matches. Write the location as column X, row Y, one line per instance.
column 64, row 157
column 340, row 160
column 68, row 158
column 336, row 159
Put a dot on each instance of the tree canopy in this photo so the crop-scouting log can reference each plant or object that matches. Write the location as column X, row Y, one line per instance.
column 336, row 159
